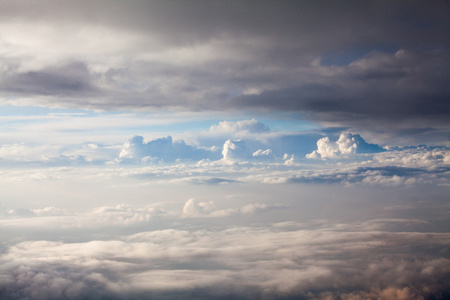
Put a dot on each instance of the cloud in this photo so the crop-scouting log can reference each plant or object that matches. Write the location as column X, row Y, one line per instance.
column 346, row 145
column 161, row 150
column 262, row 152
column 239, row 150
column 44, row 212
column 122, row 214
column 72, row 80
column 379, row 175
column 359, row 66
column 192, row 208
column 421, row 156
column 212, row 181
column 238, row 261
column 246, row 126
column 235, row 150
column 288, row 159
column 353, row 95
column 55, row 154
column 394, row 166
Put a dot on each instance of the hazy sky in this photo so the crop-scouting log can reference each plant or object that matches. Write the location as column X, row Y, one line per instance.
column 224, row 149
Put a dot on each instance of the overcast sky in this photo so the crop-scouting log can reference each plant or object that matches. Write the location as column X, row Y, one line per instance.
column 224, row 149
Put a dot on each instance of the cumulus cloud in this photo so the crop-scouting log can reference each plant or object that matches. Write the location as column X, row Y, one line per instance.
column 395, row 167
column 193, row 209
column 347, row 144
column 161, row 150
column 288, row 159
column 239, row 150
column 235, row 150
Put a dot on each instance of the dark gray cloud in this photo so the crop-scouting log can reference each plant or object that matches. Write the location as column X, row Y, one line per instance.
column 379, row 86
column 348, row 62
column 72, row 80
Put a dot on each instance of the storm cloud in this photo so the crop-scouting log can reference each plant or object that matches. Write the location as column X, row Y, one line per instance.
column 342, row 62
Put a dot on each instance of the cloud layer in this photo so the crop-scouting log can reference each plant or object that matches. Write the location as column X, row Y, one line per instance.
column 281, row 260
column 224, row 150
column 342, row 62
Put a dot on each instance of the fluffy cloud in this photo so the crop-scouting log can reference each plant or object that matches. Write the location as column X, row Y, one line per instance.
column 163, row 149
column 394, row 167
column 346, row 144
column 235, row 150
column 264, row 261
column 421, row 156
column 261, row 152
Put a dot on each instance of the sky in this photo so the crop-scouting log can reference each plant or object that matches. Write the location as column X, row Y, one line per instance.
column 224, row 149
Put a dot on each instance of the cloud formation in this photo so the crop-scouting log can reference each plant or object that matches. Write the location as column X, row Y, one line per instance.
column 245, row 126
column 348, row 63
column 245, row 177
column 192, row 208
column 346, row 145
column 262, row 261
column 161, row 150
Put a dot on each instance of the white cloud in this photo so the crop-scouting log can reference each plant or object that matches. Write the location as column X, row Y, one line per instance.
column 245, row 126
column 346, row 145
column 289, row 160
column 162, row 150
column 235, row 150
column 269, row 261
column 121, row 214
column 50, row 211
column 192, row 208
column 261, row 152
column 422, row 156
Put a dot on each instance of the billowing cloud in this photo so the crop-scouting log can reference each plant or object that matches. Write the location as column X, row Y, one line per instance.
column 235, row 150
column 346, row 144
